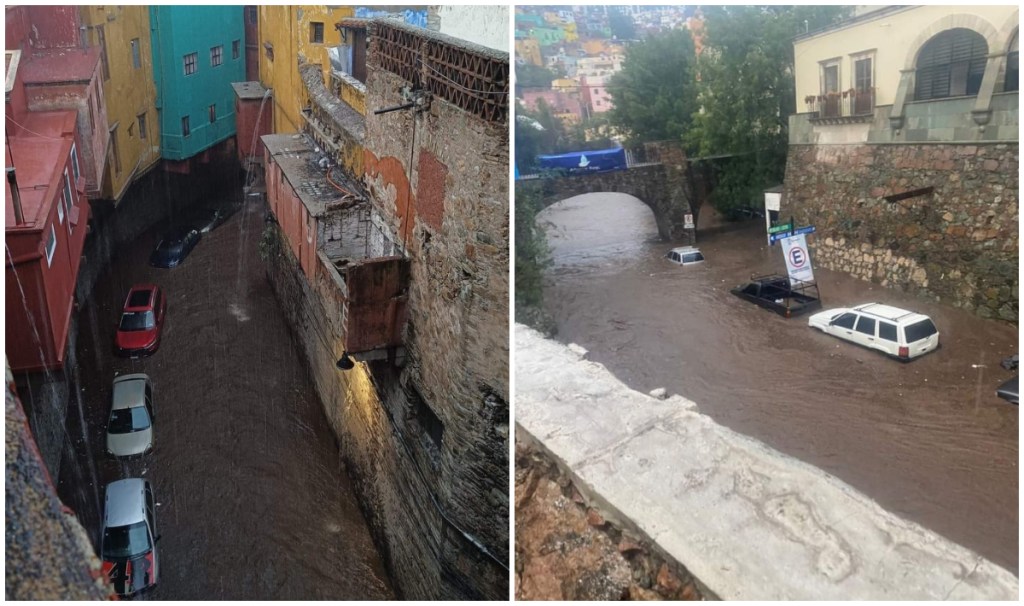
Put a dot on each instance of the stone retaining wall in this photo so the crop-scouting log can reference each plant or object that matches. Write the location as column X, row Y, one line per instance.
column 956, row 242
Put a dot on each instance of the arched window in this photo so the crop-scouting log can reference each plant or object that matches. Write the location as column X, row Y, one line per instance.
column 951, row 65
column 1012, row 75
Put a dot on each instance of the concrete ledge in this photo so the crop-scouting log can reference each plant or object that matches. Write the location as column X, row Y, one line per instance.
column 749, row 522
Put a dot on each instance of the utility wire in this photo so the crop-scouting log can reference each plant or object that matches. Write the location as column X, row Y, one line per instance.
column 468, row 90
column 23, row 127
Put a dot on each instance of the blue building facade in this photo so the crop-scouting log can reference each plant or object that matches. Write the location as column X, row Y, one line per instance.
column 198, row 51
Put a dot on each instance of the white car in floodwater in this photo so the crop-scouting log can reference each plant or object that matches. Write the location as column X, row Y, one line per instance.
column 685, row 255
column 899, row 333
column 130, row 427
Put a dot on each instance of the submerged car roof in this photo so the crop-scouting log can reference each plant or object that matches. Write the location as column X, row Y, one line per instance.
column 130, row 391
column 889, row 312
column 126, row 503
column 686, row 249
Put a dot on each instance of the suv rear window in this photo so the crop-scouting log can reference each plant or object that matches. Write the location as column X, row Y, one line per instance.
column 693, row 258
column 919, row 330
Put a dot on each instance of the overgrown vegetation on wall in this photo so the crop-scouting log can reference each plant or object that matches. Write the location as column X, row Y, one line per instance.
column 532, row 257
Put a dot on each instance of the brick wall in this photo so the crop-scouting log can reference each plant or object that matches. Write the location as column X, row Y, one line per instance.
column 958, row 243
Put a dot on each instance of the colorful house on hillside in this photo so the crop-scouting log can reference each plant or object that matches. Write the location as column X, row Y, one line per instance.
column 197, row 54
column 46, row 219
column 121, row 34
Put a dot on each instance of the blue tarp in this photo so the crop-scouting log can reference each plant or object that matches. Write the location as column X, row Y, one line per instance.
column 601, row 159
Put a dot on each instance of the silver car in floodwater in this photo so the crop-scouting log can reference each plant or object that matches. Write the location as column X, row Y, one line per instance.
column 130, row 427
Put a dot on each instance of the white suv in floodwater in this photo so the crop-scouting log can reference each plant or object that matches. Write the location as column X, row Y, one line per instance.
column 685, row 255
column 897, row 332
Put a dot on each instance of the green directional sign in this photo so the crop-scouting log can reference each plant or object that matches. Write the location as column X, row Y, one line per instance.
column 780, row 228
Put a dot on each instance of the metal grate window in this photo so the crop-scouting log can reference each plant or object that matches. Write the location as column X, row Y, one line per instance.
column 951, row 65
column 236, row 46
column 217, row 55
column 190, row 60
column 316, row 32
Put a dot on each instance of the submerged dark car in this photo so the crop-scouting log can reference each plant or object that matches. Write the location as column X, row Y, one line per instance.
column 174, row 247
column 1010, row 391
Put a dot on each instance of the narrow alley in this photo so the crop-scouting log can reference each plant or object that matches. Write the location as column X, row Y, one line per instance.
column 253, row 501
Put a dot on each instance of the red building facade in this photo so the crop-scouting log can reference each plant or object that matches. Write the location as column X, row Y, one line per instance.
column 56, row 136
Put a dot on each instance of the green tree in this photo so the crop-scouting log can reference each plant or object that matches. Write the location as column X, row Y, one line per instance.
column 622, row 25
column 534, row 77
column 747, row 93
column 654, row 94
column 532, row 257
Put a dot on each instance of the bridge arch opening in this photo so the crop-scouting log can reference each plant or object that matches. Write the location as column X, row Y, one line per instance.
column 598, row 227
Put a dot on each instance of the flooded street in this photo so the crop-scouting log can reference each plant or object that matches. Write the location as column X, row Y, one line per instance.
column 253, row 500
column 928, row 440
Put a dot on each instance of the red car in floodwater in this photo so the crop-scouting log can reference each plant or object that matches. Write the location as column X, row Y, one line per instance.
column 142, row 320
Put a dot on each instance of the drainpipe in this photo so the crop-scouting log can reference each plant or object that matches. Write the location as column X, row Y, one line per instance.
column 19, row 217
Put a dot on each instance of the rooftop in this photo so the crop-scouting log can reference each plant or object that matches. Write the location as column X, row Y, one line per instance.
column 249, row 90
column 36, row 149
column 300, row 162
column 60, row 65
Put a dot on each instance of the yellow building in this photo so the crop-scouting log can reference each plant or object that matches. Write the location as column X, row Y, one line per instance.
column 871, row 55
column 289, row 35
column 123, row 35
column 571, row 34
column 565, row 85
column 528, row 50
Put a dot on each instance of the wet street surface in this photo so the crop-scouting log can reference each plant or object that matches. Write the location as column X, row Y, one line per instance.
column 253, row 500
column 928, row 440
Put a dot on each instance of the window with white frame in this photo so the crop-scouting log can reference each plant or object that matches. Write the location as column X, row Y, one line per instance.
column 863, row 74
column 68, row 200
column 136, row 58
column 51, row 246
column 217, row 55
column 190, row 60
column 74, row 162
column 830, row 88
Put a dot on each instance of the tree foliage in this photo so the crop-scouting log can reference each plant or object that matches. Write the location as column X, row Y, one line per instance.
column 540, row 132
column 531, row 251
column 530, row 76
column 747, row 93
column 621, row 25
column 654, row 95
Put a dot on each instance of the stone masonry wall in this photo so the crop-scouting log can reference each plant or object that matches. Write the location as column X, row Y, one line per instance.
column 453, row 223
column 957, row 244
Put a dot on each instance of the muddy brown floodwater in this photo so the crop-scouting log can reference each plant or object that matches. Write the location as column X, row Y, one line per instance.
column 928, row 440
column 253, row 501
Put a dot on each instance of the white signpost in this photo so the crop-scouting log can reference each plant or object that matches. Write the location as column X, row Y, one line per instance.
column 688, row 222
column 798, row 260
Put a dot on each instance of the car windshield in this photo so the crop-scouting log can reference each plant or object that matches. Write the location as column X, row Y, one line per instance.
column 919, row 330
column 125, row 541
column 137, row 320
column 127, row 420
column 693, row 258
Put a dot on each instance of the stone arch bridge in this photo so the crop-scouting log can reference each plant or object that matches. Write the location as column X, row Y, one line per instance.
column 667, row 183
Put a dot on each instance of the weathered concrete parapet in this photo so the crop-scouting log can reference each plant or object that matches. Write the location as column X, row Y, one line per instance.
column 749, row 522
column 334, row 124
